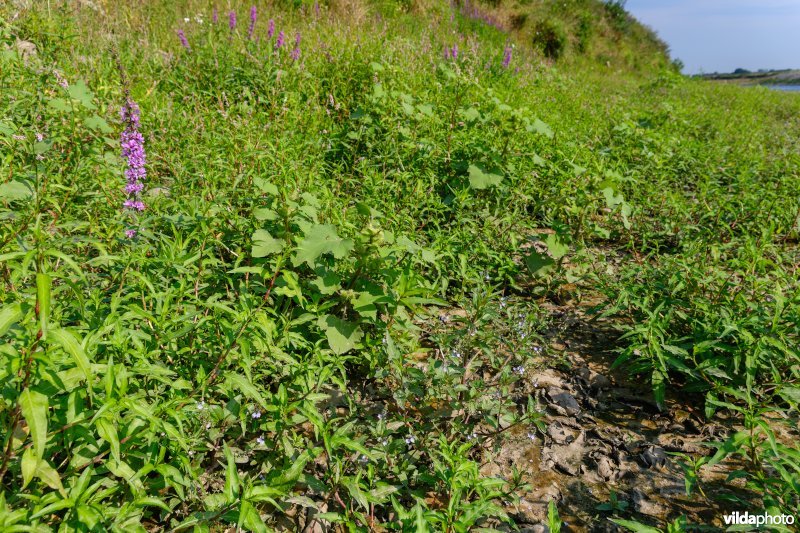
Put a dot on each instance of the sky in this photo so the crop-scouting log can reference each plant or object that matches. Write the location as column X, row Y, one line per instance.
column 723, row 35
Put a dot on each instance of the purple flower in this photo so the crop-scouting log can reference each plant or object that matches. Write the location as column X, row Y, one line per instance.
column 316, row 9
column 507, row 57
column 454, row 52
column 232, row 20
column 132, row 145
column 295, row 55
column 281, row 39
column 182, row 37
column 253, row 17
column 215, row 16
column 271, row 29
column 297, row 40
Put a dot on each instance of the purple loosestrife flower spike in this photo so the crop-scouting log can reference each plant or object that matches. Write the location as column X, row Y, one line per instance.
column 281, row 39
column 271, row 29
column 132, row 145
column 297, row 40
column 295, row 53
column 232, row 20
column 253, row 17
column 454, row 52
column 215, row 16
column 184, row 41
column 507, row 57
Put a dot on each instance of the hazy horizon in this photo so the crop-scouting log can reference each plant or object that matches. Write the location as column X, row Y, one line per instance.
column 723, row 35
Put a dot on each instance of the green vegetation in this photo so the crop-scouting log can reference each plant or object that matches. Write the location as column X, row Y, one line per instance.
column 342, row 269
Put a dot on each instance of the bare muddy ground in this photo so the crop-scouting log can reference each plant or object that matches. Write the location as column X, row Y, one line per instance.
column 605, row 433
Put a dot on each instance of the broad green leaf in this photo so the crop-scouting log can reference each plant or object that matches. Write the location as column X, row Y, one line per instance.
column 97, row 123
column 326, row 283
column 265, row 244
column 15, row 190
column 34, row 408
column 556, row 246
column 321, row 239
column 43, row 285
column 481, row 179
column 264, row 213
column 59, row 104
column 540, row 127
column 80, row 92
column 342, row 335
column 10, row 315
column 540, row 265
column 265, row 186
column 70, row 344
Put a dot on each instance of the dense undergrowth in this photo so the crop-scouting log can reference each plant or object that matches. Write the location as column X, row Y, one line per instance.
column 276, row 329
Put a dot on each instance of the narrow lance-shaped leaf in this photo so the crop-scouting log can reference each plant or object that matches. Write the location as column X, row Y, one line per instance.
column 34, row 408
column 70, row 344
column 43, row 284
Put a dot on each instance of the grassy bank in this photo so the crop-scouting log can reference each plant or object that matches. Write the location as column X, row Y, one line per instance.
column 349, row 241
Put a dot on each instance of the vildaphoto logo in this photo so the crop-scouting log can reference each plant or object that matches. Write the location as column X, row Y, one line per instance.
column 741, row 519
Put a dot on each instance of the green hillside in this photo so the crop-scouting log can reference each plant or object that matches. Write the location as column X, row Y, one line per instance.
column 388, row 266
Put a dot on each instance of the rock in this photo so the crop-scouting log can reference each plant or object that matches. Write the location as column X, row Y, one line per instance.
column 595, row 380
column 606, row 468
column 654, row 457
column 645, row 506
column 26, row 50
column 538, row 528
column 567, row 458
column 559, row 434
column 565, row 401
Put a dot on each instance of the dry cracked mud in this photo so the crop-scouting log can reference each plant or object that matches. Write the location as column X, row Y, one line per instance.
column 604, row 433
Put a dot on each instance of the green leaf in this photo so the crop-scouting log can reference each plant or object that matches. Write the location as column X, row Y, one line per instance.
column 80, row 92
column 265, row 186
column 50, row 477
column 34, row 408
column 10, row 315
column 481, row 179
column 97, row 123
column 636, row 527
column 29, row 463
column 70, row 344
column 43, row 284
column 553, row 519
column 342, row 335
column 107, row 432
column 59, row 104
column 326, row 283
column 556, row 246
column 249, row 518
column 246, row 388
column 540, row 265
column 15, row 190
column 321, row 239
column 231, row 489
column 542, row 128
column 265, row 244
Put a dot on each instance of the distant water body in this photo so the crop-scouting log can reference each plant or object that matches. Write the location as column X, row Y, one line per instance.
column 785, row 87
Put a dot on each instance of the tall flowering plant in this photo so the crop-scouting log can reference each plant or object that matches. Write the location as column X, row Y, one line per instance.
column 132, row 145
